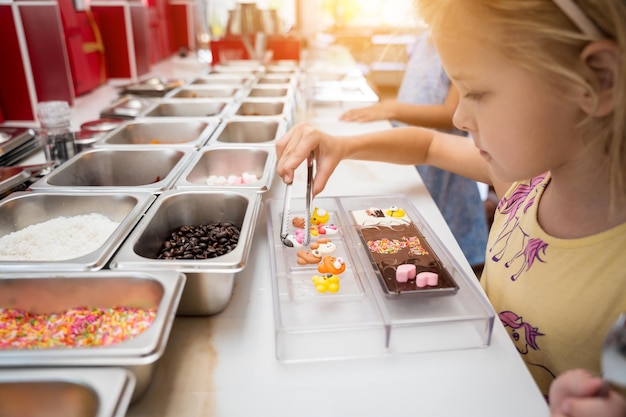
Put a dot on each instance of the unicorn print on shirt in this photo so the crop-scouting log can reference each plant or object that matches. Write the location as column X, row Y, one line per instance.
column 520, row 249
column 524, row 336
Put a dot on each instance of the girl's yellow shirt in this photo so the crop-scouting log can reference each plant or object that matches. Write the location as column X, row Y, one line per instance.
column 556, row 297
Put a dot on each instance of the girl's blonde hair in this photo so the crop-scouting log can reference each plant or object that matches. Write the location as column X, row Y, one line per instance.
column 538, row 36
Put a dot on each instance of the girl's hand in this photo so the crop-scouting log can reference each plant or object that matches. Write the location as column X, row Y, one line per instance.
column 296, row 145
column 576, row 393
column 381, row 111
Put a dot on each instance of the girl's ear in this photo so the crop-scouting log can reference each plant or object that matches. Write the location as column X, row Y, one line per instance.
column 602, row 59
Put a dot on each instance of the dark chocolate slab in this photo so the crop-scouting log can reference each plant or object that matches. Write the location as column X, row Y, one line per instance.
column 404, row 244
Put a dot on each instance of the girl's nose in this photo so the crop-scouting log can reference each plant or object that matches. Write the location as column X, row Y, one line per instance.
column 462, row 118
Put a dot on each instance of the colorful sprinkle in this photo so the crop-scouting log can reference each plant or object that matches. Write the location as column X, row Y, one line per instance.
column 388, row 246
column 77, row 327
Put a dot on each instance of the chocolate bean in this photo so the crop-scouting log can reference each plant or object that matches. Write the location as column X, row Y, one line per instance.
column 203, row 241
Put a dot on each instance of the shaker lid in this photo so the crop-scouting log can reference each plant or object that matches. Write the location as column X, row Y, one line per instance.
column 53, row 111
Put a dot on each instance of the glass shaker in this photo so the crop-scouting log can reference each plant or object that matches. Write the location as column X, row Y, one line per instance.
column 56, row 135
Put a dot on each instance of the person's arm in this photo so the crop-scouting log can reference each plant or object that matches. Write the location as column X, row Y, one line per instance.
column 577, row 393
column 407, row 146
column 436, row 116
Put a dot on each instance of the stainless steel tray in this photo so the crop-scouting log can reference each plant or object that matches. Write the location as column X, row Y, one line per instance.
column 127, row 107
column 25, row 208
column 118, row 169
column 153, row 87
column 56, row 292
column 66, row 392
column 210, row 281
column 229, row 163
column 172, row 132
column 16, row 143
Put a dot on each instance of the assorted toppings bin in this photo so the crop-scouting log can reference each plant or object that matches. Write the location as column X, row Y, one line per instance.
column 103, row 306
column 65, row 231
column 280, row 91
column 164, row 132
column 249, row 70
column 188, row 108
column 225, row 167
column 210, row 276
column 152, row 87
column 250, row 131
column 252, row 107
column 276, row 78
column 224, row 78
column 206, row 91
column 70, row 392
column 262, row 107
column 127, row 107
column 144, row 169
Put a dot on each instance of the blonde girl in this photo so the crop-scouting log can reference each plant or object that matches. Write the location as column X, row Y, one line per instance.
column 542, row 93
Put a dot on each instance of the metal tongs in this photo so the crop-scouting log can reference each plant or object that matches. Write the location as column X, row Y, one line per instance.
column 284, row 236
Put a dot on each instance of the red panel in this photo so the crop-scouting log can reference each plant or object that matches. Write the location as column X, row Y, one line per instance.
column 163, row 6
column 164, row 24
column 180, row 26
column 160, row 43
column 232, row 47
column 141, row 37
column 68, row 16
column 85, row 49
column 156, row 52
column 284, row 47
column 110, row 20
column 48, row 55
column 158, row 18
column 14, row 98
column 94, row 70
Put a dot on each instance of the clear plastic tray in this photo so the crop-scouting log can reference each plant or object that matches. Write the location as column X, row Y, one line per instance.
column 362, row 318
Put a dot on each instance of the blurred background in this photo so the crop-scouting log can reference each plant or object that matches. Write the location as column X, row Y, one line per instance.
column 377, row 33
column 62, row 49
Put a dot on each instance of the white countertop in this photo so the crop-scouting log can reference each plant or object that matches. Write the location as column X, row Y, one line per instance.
column 224, row 365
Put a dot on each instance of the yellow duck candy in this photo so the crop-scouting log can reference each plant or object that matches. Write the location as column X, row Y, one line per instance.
column 394, row 211
column 326, row 283
column 319, row 216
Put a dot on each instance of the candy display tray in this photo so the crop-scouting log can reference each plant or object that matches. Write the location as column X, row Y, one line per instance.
column 361, row 319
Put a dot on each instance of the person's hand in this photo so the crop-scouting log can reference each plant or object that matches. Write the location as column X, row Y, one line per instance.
column 296, row 145
column 577, row 393
column 380, row 111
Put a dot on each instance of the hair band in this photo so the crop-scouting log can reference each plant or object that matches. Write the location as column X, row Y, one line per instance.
column 579, row 18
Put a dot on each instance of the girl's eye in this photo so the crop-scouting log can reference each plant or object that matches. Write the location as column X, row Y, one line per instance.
column 473, row 96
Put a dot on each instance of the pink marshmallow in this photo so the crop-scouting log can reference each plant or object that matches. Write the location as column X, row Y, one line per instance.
column 421, row 280
column 426, row 278
column 405, row 272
